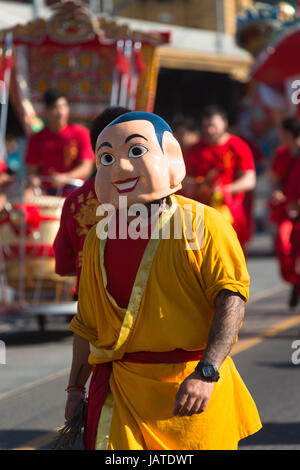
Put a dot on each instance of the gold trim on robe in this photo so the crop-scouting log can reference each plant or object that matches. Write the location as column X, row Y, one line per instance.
column 140, row 283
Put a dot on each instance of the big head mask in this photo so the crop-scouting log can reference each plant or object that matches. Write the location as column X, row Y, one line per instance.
column 137, row 156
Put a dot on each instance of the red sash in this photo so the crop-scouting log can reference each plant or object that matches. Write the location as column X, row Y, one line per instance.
column 100, row 382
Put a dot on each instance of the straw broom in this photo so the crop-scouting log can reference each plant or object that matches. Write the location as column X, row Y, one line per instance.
column 71, row 430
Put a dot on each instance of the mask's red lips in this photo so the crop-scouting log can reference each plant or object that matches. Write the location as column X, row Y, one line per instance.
column 126, row 186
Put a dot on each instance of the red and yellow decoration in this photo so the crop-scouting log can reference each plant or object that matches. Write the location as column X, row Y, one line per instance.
column 77, row 53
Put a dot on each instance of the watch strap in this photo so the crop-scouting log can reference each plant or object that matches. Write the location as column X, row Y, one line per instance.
column 213, row 377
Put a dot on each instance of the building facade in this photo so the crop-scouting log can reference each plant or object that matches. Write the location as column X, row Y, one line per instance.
column 211, row 15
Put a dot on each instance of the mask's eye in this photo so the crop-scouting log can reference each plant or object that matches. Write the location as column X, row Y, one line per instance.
column 137, row 151
column 107, row 159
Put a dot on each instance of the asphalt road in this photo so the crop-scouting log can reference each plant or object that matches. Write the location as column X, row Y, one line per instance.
column 35, row 375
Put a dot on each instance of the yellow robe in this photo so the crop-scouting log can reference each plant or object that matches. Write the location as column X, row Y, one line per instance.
column 171, row 306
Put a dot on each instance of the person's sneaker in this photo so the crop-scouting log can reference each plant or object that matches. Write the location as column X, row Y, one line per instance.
column 293, row 300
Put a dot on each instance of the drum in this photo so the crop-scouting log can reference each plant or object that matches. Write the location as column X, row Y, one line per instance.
column 27, row 233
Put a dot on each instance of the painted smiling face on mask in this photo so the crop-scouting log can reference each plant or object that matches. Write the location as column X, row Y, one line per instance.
column 138, row 157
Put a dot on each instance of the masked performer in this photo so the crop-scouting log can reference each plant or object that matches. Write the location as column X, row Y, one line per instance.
column 157, row 316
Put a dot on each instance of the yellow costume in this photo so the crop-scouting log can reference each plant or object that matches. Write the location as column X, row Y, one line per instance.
column 171, row 307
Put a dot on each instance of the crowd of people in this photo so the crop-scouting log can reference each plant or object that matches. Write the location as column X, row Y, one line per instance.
column 220, row 171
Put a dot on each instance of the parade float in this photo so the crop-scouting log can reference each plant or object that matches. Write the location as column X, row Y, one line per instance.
column 95, row 62
column 266, row 100
column 277, row 67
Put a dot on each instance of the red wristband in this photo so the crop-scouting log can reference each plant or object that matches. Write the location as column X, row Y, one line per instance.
column 75, row 387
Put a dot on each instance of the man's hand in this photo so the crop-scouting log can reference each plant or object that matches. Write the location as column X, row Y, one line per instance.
column 6, row 178
column 2, row 201
column 278, row 197
column 73, row 401
column 35, row 180
column 193, row 395
column 293, row 209
column 60, row 179
column 80, row 372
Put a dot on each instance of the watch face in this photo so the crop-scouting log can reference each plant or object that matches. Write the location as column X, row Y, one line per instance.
column 208, row 371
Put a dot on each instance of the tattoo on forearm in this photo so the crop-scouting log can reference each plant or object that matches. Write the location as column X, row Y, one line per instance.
column 229, row 314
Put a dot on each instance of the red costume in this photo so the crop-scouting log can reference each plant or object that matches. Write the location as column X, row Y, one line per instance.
column 293, row 196
column 78, row 216
column 224, row 163
column 283, row 166
column 59, row 152
column 2, row 166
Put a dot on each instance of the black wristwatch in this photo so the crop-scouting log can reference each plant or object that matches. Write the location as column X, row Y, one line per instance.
column 208, row 372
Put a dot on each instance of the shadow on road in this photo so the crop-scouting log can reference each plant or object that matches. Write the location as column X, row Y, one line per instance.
column 272, row 434
column 21, row 338
column 280, row 365
column 13, row 439
column 10, row 439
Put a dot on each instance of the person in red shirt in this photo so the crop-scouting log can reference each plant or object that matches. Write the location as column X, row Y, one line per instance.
column 79, row 211
column 293, row 210
column 282, row 170
column 61, row 151
column 222, row 164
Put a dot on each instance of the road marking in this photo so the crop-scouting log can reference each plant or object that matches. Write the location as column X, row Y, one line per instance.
column 39, row 442
column 34, row 383
column 244, row 344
